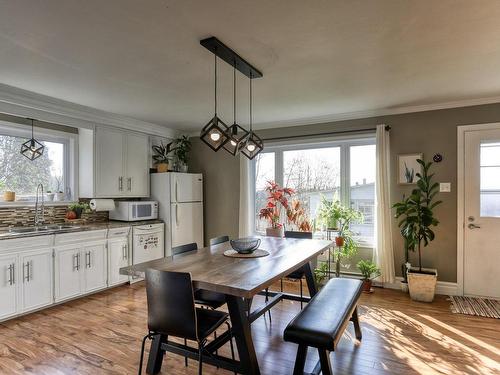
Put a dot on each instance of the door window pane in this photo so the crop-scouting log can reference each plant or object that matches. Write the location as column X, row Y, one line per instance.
column 312, row 174
column 264, row 172
column 22, row 176
column 490, row 179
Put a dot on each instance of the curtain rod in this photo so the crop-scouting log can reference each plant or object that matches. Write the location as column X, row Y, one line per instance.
column 387, row 128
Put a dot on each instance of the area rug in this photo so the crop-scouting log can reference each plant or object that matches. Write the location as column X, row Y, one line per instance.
column 488, row 308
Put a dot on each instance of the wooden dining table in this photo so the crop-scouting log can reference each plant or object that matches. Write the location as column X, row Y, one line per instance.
column 240, row 279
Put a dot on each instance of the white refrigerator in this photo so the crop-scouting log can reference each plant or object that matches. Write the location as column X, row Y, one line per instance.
column 180, row 206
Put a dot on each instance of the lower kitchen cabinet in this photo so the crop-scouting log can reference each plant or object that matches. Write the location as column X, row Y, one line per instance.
column 79, row 269
column 95, row 270
column 118, row 257
column 68, row 279
column 8, row 286
column 36, row 281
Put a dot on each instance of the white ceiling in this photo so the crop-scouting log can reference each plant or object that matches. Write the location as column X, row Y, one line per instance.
column 320, row 59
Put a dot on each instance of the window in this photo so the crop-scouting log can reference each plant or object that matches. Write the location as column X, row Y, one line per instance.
column 338, row 170
column 490, row 179
column 19, row 174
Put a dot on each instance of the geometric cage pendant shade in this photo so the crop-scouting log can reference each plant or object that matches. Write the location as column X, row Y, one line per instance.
column 214, row 133
column 32, row 149
column 251, row 145
column 236, row 134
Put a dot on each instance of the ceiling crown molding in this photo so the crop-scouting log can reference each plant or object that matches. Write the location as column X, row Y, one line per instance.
column 377, row 113
column 18, row 102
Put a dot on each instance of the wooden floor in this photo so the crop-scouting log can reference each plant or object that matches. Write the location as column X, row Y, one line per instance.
column 101, row 334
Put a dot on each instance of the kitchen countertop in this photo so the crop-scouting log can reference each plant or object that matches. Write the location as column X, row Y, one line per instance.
column 6, row 235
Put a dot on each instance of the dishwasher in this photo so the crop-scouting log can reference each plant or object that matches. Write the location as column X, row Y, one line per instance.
column 148, row 242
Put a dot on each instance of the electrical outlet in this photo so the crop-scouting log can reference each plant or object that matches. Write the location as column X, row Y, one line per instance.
column 445, row 187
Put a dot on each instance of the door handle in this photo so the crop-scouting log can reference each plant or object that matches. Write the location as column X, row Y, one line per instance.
column 120, row 183
column 78, row 261
column 176, row 199
column 473, row 226
column 177, row 215
column 124, row 251
column 87, row 259
column 129, row 184
column 26, row 275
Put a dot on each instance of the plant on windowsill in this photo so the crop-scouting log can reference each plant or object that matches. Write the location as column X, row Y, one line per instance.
column 183, row 146
column 161, row 156
column 278, row 209
column 370, row 271
column 417, row 219
column 338, row 217
column 59, row 195
column 50, row 196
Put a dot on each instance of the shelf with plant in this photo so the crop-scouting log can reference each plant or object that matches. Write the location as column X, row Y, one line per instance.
column 417, row 220
column 335, row 216
column 181, row 152
column 162, row 155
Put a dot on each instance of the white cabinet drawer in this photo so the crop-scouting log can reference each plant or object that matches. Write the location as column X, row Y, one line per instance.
column 83, row 237
column 27, row 243
column 118, row 232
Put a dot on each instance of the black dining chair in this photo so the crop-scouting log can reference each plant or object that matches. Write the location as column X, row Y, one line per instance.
column 172, row 312
column 202, row 297
column 299, row 274
column 218, row 240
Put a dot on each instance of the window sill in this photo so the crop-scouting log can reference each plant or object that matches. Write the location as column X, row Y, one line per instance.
column 20, row 204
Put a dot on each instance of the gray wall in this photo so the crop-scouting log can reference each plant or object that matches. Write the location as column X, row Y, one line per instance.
column 428, row 132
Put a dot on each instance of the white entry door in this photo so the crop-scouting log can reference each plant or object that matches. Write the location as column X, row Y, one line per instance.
column 482, row 213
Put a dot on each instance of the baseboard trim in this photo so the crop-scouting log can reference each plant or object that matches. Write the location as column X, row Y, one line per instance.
column 442, row 287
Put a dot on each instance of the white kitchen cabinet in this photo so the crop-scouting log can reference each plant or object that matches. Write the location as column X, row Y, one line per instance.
column 95, row 269
column 36, row 279
column 68, row 280
column 113, row 163
column 109, row 162
column 136, row 164
column 8, row 285
column 118, row 257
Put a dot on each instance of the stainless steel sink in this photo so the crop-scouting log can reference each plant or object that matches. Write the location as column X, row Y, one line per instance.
column 42, row 229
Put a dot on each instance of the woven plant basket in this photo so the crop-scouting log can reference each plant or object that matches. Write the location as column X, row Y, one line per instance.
column 422, row 285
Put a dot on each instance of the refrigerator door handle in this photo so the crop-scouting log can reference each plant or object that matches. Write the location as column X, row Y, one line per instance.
column 176, row 197
column 177, row 215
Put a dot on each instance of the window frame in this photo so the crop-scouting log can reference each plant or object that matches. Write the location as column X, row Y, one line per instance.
column 344, row 142
column 70, row 157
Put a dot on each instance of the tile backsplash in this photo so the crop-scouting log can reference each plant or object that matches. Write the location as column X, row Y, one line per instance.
column 21, row 216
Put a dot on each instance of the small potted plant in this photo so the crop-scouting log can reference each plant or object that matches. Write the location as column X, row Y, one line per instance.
column 416, row 222
column 183, row 146
column 50, row 196
column 370, row 271
column 75, row 210
column 161, row 156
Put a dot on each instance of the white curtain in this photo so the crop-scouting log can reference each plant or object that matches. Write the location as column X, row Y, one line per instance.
column 384, row 251
column 245, row 219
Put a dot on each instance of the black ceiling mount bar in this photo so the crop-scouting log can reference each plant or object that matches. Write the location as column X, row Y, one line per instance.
column 225, row 53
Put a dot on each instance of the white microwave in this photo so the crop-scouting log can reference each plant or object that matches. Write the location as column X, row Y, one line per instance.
column 134, row 210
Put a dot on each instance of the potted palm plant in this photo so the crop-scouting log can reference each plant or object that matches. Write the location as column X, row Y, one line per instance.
column 183, row 146
column 161, row 156
column 416, row 222
column 370, row 271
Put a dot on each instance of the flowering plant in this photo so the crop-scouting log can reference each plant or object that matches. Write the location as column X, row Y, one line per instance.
column 277, row 202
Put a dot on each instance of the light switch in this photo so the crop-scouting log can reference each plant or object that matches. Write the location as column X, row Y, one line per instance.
column 445, row 187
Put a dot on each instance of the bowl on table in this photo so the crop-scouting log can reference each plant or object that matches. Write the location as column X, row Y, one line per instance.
column 245, row 245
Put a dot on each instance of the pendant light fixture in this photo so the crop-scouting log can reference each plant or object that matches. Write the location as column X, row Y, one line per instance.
column 214, row 132
column 235, row 133
column 32, row 149
column 252, row 144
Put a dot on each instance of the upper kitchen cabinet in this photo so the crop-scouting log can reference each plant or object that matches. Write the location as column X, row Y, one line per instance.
column 113, row 163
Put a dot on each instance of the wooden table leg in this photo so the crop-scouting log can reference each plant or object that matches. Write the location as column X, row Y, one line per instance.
column 311, row 284
column 155, row 355
column 241, row 331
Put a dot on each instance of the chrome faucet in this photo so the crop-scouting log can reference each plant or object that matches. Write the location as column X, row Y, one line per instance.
column 39, row 214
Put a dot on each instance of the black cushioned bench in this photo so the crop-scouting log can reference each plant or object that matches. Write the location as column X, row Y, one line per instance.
column 323, row 321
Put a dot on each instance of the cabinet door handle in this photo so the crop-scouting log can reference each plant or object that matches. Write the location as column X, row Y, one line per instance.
column 124, row 251
column 78, row 261
column 129, row 183
column 26, row 275
column 75, row 262
column 120, row 183
column 11, row 275
column 87, row 259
